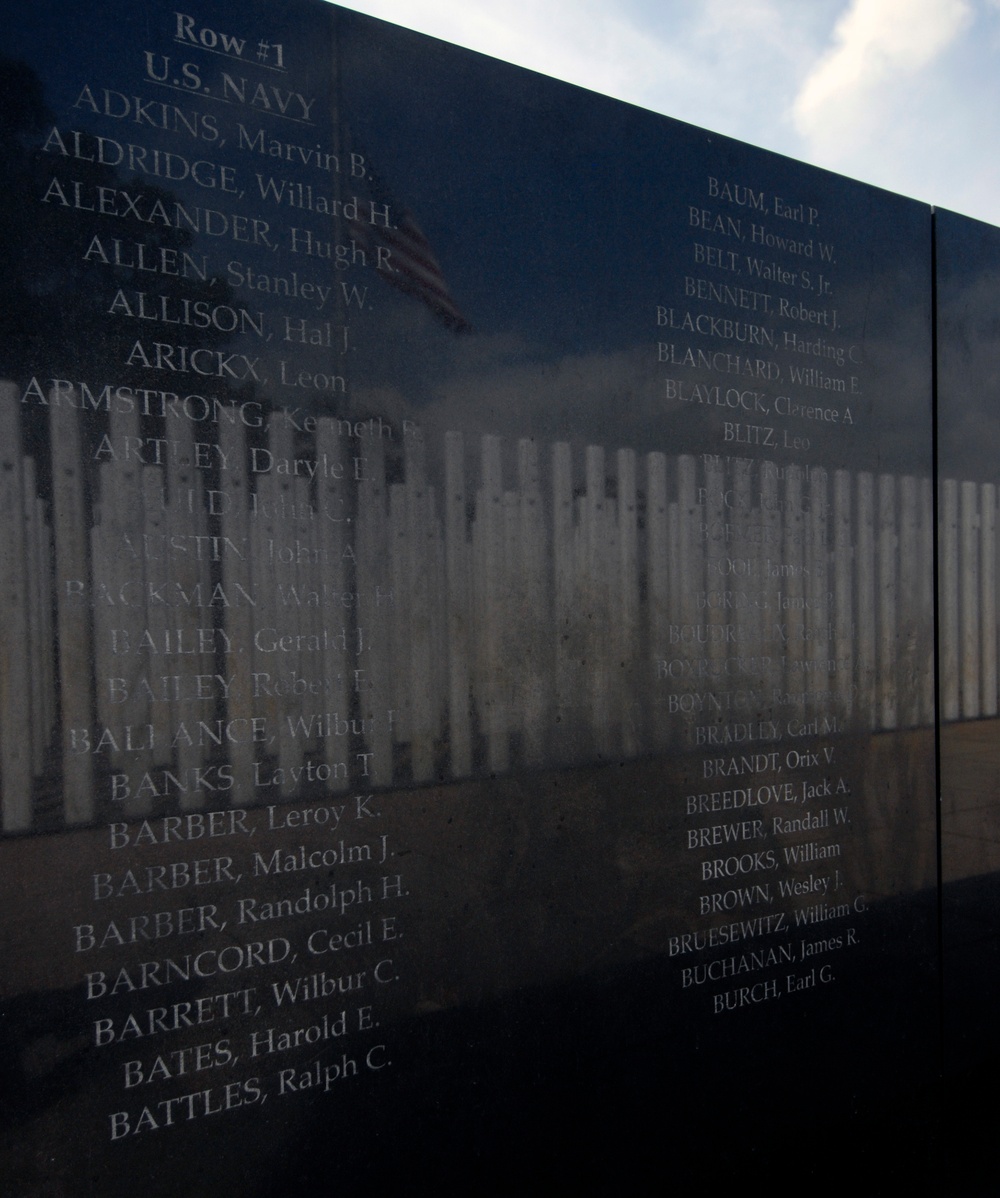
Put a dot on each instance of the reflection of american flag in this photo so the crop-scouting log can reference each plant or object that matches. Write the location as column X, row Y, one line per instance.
column 415, row 271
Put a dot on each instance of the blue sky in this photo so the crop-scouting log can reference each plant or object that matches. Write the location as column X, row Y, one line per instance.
column 904, row 94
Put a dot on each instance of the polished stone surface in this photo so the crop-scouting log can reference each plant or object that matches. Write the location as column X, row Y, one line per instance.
column 968, row 270
column 468, row 623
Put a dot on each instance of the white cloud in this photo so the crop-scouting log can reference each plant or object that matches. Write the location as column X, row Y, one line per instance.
column 889, row 91
column 727, row 65
column 746, row 59
column 880, row 45
column 585, row 42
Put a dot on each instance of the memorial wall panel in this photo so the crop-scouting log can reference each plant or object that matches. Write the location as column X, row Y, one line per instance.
column 468, row 680
column 968, row 273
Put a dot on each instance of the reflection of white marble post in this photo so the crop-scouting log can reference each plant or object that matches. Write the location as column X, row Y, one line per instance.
column 625, row 641
column 843, row 570
column 677, row 532
column 864, row 604
column 819, row 608
column 46, row 573
column 888, row 616
column 596, row 570
column 119, row 556
column 564, row 597
column 15, row 665
column 533, row 596
column 512, row 630
column 489, row 591
column 38, row 547
column 928, row 523
column 188, row 577
column 690, row 549
column 36, row 536
column 400, row 618
column 988, row 597
column 280, row 566
column 459, row 613
column 791, row 614
column 334, row 546
column 155, row 528
column 297, row 623
column 657, row 598
column 746, row 581
column 76, row 658
column 910, row 615
column 315, row 570
column 968, row 600
column 948, row 609
column 717, row 550
column 377, row 603
column 771, row 645
column 268, row 585
column 419, row 548
column 234, row 528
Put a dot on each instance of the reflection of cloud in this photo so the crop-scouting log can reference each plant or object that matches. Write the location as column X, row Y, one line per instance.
column 879, row 44
column 496, row 386
column 514, row 389
column 599, row 397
